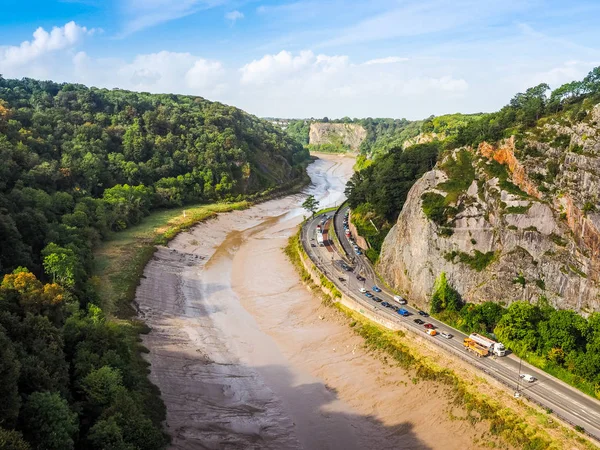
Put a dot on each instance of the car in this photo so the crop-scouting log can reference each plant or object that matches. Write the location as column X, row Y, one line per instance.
column 341, row 279
column 418, row 322
column 358, row 252
column 400, row 299
column 429, row 326
column 363, row 290
column 312, row 245
column 376, row 289
column 423, row 313
column 446, row 335
column 359, row 278
column 393, row 307
column 368, row 294
column 431, row 332
column 384, row 304
column 377, row 299
column 528, row 378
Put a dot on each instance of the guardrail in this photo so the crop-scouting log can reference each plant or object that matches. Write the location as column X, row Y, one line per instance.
column 439, row 343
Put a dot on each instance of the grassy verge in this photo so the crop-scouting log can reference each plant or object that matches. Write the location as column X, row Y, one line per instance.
column 527, row 429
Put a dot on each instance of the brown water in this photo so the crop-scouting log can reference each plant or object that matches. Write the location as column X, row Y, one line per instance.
column 246, row 357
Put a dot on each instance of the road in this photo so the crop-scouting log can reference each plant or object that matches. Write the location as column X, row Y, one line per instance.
column 566, row 402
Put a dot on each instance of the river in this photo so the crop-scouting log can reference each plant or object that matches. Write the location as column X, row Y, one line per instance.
column 247, row 358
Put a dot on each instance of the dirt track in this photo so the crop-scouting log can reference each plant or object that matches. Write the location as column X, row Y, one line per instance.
column 245, row 357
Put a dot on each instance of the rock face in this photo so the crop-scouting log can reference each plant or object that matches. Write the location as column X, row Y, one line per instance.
column 536, row 228
column 347, row 134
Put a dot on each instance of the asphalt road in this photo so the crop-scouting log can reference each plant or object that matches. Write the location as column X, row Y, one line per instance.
column 568, row 403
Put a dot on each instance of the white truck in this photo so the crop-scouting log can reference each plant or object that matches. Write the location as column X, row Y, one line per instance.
column 320, row 238
column 495, row 348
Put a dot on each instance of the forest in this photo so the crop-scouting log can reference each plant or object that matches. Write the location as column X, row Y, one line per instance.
column 78, row 164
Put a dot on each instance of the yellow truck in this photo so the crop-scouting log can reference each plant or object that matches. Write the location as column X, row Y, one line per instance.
column 472, row 346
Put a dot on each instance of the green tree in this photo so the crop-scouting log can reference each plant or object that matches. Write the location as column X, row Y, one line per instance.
column 518, row 328
column 444, row 296
column 311, row 204
column 12, row 440
column 50, row 424
column 61, row 263
column 10, row 368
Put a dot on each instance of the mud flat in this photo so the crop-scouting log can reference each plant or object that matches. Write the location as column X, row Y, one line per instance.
column 246, row 357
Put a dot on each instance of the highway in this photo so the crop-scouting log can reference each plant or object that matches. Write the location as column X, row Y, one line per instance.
column 566, row 402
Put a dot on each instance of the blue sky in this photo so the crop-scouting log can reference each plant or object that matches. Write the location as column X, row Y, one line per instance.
column 308, row 58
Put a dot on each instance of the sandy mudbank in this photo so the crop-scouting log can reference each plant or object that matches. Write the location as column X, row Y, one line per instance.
column 246, row 357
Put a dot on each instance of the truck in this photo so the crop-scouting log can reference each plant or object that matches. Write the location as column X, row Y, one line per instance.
column 320, row 239
column 472, row 346
column 495, row 348
column 403, row 312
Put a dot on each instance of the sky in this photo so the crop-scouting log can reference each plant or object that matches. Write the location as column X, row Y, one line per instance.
column 307, row 58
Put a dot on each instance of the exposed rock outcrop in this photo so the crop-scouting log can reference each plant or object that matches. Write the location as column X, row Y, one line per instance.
column 346, row 134
column 544, row 235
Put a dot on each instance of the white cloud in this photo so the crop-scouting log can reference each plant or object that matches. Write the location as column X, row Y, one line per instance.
column 568, row 71
column 387, row 60
column 43, row 43
column 276, row 68
column 234, row 15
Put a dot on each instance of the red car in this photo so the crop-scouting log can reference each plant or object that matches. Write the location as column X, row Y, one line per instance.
column 429, row 326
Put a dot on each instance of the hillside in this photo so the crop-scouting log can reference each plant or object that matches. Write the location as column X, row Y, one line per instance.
column 80, row 163
column 502, row 235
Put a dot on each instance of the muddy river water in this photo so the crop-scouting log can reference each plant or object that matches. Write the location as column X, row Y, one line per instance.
column 247, row 358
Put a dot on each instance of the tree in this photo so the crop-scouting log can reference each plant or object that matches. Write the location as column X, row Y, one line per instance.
column 50, row 424
column 9, row 378
column 311, row 204
column 444, row 296
column 12, row 440
column 518, row 328
column 61, row 263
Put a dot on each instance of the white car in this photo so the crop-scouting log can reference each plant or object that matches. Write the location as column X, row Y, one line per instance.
column 446, row 335
column 363, row 290
column 528, row 378
column 400, row 299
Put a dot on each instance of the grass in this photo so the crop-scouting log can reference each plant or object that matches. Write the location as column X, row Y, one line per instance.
column 478, row 261
column 527, row 429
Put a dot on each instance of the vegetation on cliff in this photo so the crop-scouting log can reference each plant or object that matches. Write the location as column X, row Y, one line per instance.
column 77, row 164
column 378, row 192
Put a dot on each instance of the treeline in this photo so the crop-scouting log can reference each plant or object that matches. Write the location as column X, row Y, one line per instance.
column 526, row 108
column 561, row 342
column 78, row 163
column 377, row 193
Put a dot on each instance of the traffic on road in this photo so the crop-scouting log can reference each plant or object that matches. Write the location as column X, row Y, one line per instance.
column 354, row 275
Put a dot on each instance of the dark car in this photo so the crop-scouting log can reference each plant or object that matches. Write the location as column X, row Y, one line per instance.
column 368, row 294
column 341, row 279
column 429, row 326
column 419, row 322
column 393, row 307
column 386, row 304
column 377, row 299
column 376, row 289
column 423, row 313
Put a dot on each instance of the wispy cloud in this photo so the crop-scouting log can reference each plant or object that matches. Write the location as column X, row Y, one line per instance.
column 141, row 14
column 233, row 16
column 387, row 60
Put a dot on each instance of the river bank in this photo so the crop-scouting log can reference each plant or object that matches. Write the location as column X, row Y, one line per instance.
column 246, row 357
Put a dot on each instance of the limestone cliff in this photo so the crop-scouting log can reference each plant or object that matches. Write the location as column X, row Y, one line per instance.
column 527, row 225
column 344, row 134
